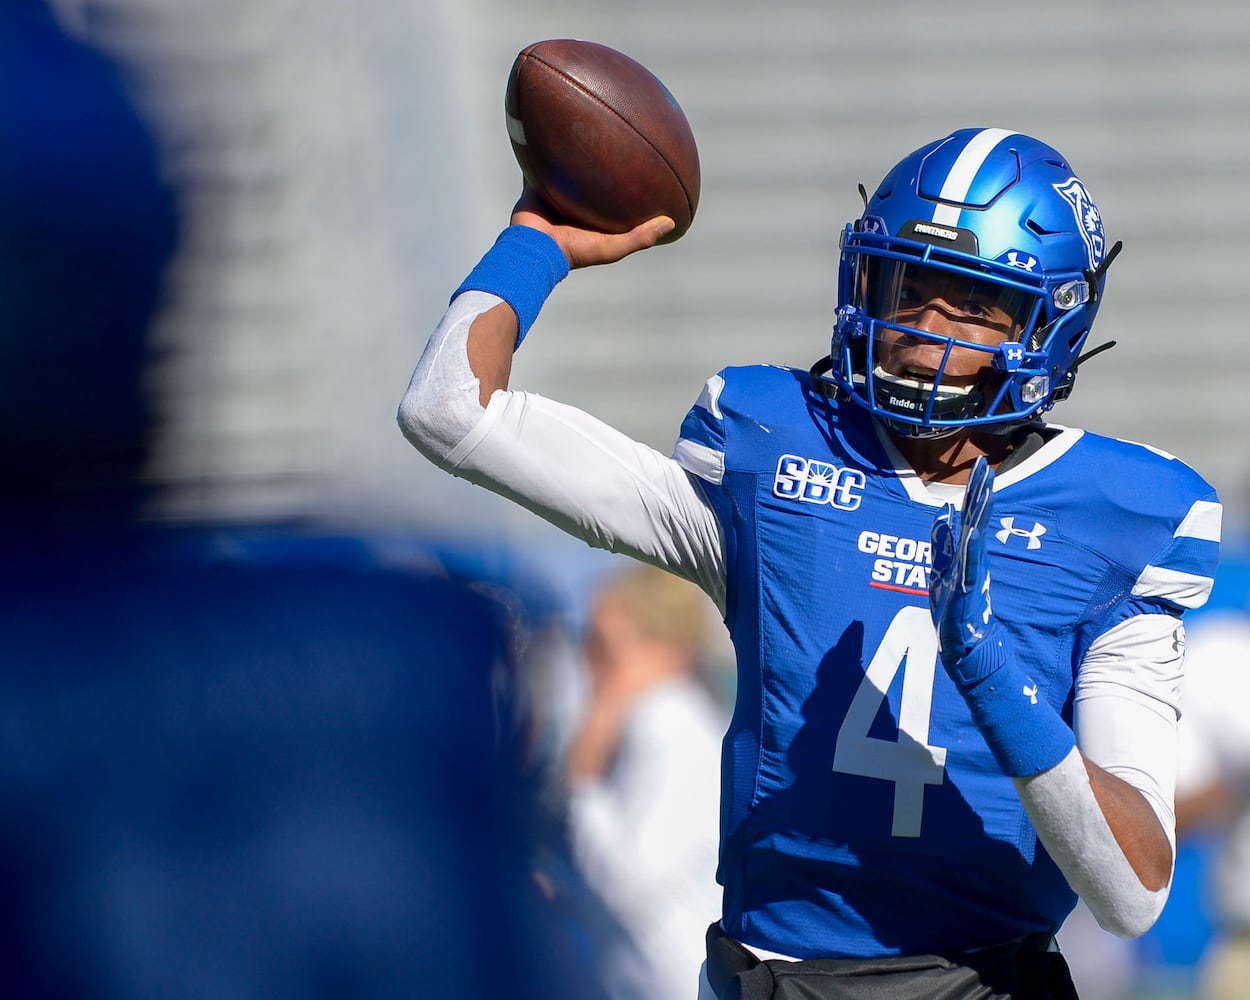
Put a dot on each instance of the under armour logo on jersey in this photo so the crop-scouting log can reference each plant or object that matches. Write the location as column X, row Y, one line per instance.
column 1009, row 530
column 1030, row 692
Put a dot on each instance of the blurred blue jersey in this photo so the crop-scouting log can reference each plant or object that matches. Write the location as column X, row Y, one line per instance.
column 268, row 765
column 862, row 812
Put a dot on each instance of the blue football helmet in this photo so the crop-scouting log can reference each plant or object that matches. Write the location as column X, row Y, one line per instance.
column 999, row 224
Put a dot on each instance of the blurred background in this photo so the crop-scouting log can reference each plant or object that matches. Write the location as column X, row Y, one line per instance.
column 315, row 179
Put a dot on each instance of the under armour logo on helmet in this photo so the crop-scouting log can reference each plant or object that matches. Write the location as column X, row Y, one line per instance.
column 1020, row 259
column 1009, row 529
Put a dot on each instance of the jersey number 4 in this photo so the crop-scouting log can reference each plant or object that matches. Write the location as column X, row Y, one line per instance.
column 910, row 645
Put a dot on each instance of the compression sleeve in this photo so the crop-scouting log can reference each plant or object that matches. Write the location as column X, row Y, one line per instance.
column 1128, row 703
column 441, row 405
column 561, row 463
column 1126, row 711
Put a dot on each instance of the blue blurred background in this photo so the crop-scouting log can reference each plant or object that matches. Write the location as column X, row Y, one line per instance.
column 276, row 696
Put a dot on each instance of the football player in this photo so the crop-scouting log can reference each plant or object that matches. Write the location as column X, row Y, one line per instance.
column 958, row 627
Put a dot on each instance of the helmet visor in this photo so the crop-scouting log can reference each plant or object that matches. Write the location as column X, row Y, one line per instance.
column 906, row 293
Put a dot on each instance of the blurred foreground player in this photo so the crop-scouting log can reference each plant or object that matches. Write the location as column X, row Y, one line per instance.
column 225, row 772
column 917, row 780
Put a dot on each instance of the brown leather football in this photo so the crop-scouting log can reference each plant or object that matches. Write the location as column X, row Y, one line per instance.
column 600, row 138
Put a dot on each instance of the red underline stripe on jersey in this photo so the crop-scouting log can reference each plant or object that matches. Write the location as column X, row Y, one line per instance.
column 901, row 590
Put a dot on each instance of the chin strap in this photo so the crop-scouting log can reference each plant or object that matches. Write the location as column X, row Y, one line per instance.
column 1097, row 273
column 1089, row 354
column 822, row 385
column 1094, row 276
column 1064, row 389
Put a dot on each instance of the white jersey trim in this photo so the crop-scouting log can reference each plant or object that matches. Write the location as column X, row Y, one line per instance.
column 939, row 494
column 1186, row 589
column 1204, row 521
column 1049, row 453
column 709, row 398
column 706, row 463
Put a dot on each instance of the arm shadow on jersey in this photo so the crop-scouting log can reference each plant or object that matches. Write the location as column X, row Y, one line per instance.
column 842, row 842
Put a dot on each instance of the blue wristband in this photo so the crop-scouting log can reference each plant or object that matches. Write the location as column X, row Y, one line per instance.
column 1024, row 731
column 522, row 268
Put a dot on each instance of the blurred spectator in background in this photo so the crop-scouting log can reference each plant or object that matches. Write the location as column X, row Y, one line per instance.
column 1213, row 789
column 228, row 769
column 1103, row 966
column 644, row 780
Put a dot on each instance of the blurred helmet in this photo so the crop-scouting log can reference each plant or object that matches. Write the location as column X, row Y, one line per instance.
column 1000, row 222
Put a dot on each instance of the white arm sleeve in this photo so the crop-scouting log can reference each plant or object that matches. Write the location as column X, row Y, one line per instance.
column 1125, row 717
column 1128, row 704
column 564, row 465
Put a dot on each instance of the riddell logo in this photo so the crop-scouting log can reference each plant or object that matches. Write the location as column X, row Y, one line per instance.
column 906, row 404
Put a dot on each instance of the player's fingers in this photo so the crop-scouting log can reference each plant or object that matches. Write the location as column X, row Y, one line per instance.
column 657, row 228
column 979, row 494
column 973, row 557
column 645, row 235
column 978, row 502
column 588, row 248
column 943, row 541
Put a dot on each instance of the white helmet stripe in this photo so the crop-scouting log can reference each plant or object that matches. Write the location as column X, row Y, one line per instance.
column 964, row 172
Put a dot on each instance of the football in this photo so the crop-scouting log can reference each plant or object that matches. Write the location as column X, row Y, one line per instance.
column 600, row 139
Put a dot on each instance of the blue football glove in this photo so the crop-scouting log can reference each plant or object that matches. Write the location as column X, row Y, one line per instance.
column 1024, row 732
column 959, row 589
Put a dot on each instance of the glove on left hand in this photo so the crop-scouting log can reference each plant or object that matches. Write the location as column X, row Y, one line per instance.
column 1024, row 732
column 959, row 590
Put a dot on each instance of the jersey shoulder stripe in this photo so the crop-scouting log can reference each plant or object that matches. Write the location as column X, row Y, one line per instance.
column 744, row 402
column 1147, row 494
column 708, row 463
column 1184, row 572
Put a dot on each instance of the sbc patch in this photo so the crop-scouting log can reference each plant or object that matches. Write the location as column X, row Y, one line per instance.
column 812, row 481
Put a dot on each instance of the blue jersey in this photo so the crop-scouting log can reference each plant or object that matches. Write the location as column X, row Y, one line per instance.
column 862, row 812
